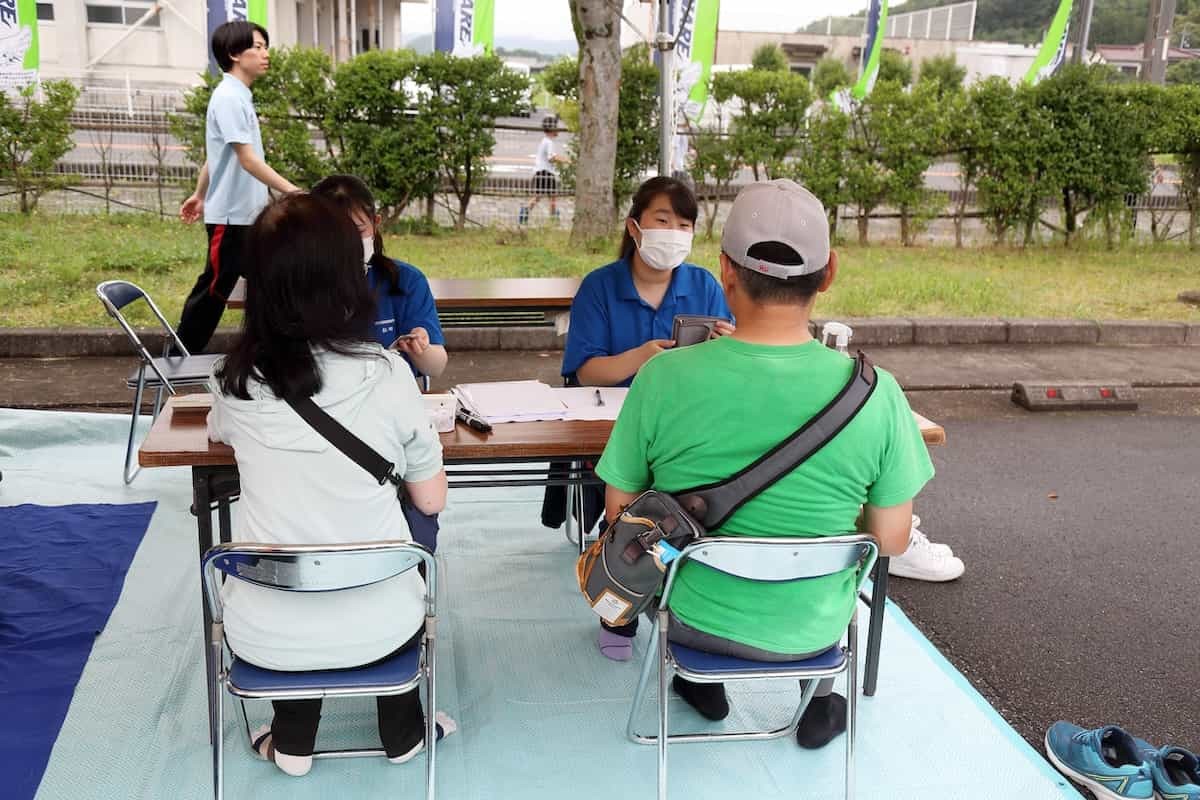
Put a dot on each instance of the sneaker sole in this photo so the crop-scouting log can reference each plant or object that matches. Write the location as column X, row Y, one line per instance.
column 1101, row 791
column 899, row 571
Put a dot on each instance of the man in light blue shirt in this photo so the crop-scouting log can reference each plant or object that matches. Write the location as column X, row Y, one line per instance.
column 233, row 182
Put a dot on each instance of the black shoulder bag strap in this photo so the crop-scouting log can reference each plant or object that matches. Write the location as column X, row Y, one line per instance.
column 713, row 504
column 353, row 447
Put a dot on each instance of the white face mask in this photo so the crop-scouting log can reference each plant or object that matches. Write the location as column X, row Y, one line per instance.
column 664, row 249
column 368, row 250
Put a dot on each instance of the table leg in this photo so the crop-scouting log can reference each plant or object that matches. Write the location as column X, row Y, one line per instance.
column 569, row 489
column 202, row 508
column 875, row 626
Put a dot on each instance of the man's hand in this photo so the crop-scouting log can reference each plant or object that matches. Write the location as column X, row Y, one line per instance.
column 415, row 344
column 192, row 208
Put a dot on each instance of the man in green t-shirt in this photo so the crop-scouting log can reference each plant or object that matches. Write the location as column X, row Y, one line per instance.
column 697, row 415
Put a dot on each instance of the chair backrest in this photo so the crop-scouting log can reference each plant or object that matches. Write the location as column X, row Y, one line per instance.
column 315, row 568
column 780, row 559
column 116, row 295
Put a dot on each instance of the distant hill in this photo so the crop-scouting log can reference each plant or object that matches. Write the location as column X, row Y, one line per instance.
column 526, row 46
column 1025, row 21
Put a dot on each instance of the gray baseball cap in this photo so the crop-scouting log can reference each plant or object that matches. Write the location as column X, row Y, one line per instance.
column 777, row 211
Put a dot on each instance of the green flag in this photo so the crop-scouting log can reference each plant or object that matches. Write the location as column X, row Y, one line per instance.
column 18, row 44
column 876, row 23
column 693, row 56
column 1054, row 47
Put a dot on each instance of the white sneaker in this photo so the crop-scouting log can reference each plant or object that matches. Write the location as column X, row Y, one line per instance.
column 922, row 561
column 917, row 535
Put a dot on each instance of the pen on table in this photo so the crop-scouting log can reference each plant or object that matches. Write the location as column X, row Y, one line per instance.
column 472, row 421
column 599, row 399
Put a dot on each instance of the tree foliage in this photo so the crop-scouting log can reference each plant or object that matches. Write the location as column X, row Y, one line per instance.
column 462, row 98
column 35, row 132
column 895, row 68
column 944, row 73
column 771, row 108
column 637, row 116
column 829, row 75
column 769, row 57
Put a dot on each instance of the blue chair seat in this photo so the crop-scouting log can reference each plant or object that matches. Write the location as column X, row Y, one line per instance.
column 711, row 663
column 398, row 669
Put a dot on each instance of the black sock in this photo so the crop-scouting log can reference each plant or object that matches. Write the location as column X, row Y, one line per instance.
column 823, row 720
column 707, row 698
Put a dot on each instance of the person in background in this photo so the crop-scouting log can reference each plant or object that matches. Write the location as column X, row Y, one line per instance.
column 406, row 318
column 233, row 183
column 545, row 172
column 307, row 333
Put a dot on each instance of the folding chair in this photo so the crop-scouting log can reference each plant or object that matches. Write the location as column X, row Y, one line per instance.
column 318, row 568
column 165, row 374
column 759, row 559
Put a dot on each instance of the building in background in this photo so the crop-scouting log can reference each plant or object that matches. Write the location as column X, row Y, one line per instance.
column 143, row 43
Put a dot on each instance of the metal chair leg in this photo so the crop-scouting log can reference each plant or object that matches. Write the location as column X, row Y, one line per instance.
column 851, row 699
column 663, row 705
column 639, row 694
column 430, row 721
column 217, row 729
column 875, row 625
column 134, row 416
column 569, row 523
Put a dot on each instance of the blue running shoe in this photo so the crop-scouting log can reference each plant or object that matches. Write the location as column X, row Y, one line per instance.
column 1105, row 760
column 1176, row 774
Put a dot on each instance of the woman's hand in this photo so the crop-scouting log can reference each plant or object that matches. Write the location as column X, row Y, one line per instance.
column 722, row 328
column 415, row 343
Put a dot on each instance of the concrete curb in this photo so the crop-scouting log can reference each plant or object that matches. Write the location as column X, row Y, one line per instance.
column 873, row 331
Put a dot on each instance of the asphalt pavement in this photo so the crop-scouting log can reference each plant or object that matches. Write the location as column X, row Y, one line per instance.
column 1079, row 599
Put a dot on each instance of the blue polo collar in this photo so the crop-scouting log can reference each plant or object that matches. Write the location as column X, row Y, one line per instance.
column 678, row 287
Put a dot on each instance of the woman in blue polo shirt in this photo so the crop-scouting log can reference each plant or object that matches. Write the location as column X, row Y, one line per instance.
column 623, row 312
column 404, row 304
column 622, row 316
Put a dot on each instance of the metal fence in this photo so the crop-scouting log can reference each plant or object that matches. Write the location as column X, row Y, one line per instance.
column 951, row 22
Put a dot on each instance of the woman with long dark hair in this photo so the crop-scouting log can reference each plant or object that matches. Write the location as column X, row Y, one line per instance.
column 307, row 333
column 406, row 318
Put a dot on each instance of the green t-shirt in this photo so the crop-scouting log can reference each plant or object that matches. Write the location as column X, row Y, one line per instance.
column 699, row 414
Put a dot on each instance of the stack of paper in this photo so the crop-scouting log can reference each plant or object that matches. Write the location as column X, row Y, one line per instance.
column 590, row 403
column 511, row 401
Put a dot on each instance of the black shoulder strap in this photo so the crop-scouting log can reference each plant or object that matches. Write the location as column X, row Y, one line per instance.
column 713, row 504
column 337, row 435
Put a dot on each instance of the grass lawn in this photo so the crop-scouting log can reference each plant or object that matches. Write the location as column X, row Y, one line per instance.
column 50, row 265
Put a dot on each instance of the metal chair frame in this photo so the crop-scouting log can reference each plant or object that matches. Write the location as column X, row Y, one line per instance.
column 769, row 560
column 114, row 296
column 316, row 568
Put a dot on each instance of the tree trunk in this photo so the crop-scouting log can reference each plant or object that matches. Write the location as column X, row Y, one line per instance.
column 1068, row 216
column 464, row 200
column 598, row 29
column 1192, row 214
column 833, row 224
column 429, row 210
column 905, row 239
column 711, row 215
column 864, row 224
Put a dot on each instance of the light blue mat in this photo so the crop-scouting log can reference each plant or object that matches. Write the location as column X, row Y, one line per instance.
column 541, row 713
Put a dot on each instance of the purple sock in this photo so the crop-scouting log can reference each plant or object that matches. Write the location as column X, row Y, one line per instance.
column 614, row 645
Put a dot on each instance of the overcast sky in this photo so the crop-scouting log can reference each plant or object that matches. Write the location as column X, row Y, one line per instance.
column 553, row 20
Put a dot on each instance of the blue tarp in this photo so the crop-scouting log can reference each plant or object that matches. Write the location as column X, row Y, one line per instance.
column 61, row 572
